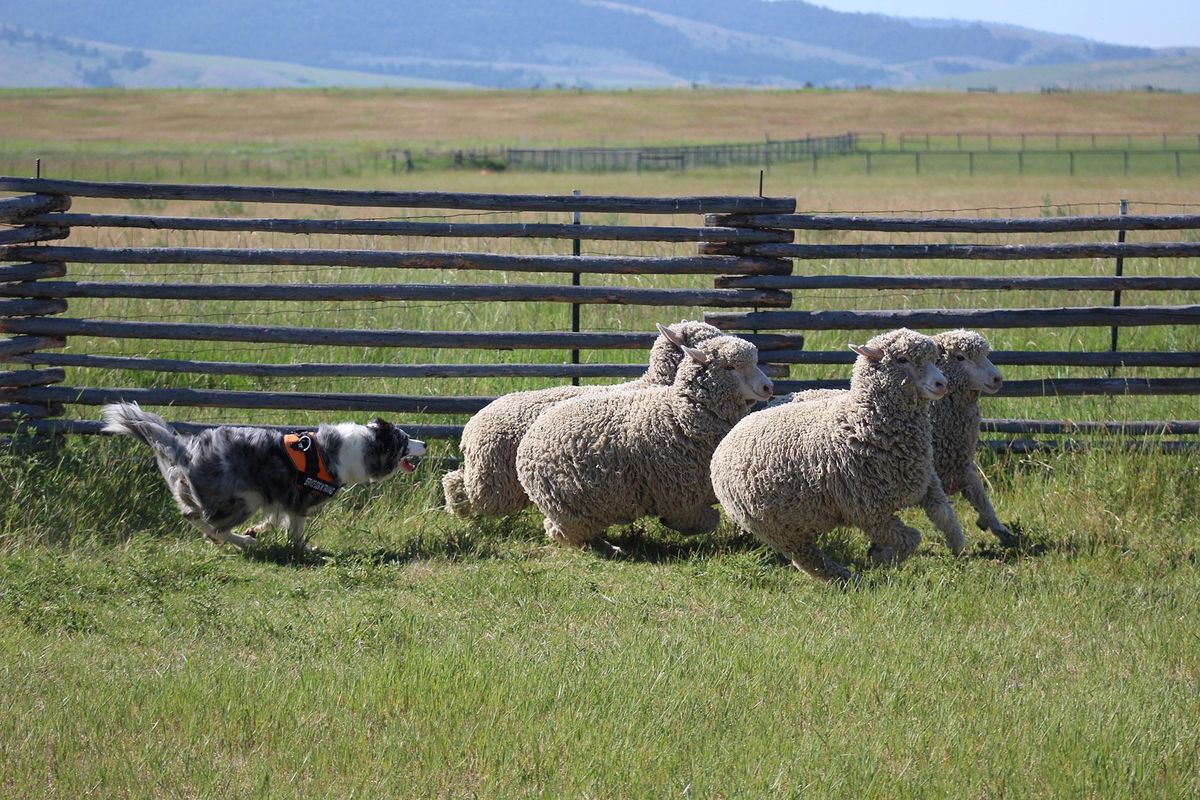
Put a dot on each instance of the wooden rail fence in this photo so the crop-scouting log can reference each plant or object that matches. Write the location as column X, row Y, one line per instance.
column 744, row 243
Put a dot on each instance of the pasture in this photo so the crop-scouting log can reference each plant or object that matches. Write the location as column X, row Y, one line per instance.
column 413, row 654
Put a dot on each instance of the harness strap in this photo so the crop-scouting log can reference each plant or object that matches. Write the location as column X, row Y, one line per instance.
column 311, row 472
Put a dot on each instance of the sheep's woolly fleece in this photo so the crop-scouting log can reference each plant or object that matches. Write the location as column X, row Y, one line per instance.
column 486, row 485
column 610, row 459
column 791, row 472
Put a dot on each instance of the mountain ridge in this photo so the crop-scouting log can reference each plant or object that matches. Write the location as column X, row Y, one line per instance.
column 487, row 43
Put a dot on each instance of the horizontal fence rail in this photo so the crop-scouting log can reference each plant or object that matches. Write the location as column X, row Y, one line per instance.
column 423, row 431
column 981, row 282
column 521, row 230
column 339, row 337
column 601, row 265
column 850, row 222
column 332, row 370
column 452, row 292
column 976, row 252
column 1060, row 358
column 957, row 318
column 1048, row 387
column 384, row 199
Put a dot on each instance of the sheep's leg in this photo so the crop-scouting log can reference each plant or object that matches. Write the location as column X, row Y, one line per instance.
column 693, row 521
column 580, row 533
column 810, row 558
column 892, row 541
column 942, row 515
column 975, row 493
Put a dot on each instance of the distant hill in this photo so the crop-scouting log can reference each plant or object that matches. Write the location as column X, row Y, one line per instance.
column 587, row 43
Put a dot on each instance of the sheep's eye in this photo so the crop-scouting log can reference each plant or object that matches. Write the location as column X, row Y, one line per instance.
column 961, row 357
column 730, row 367
column 902, row 360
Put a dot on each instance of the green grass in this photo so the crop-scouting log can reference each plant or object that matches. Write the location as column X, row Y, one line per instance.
column 416, row 655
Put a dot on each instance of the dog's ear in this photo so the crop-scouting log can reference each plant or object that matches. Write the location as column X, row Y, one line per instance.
column 380, row 426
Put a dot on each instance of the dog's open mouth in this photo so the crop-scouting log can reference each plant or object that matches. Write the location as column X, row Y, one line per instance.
column 408, row 464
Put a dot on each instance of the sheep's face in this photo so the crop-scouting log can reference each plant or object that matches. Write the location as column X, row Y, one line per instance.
column 966, row 364
column 732, row 359
column 906, row 357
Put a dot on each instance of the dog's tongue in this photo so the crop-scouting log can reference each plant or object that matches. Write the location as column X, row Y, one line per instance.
column 407, row 465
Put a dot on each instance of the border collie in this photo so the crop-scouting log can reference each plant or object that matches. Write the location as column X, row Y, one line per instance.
column 221, row 476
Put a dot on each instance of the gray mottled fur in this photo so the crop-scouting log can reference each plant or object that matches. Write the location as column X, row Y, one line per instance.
column 222, row 476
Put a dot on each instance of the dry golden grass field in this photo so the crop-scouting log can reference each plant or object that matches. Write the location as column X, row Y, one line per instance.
column 552, row 117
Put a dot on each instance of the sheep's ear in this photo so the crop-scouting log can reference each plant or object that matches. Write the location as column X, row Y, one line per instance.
column 870, row 353
column 699, row 356
column 671, row 336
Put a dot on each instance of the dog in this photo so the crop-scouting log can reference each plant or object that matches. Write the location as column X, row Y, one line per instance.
column 222, row 476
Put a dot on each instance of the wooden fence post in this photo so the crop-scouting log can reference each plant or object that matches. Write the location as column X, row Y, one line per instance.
column 1120, row 272
column 19, row 211
column 575, row 251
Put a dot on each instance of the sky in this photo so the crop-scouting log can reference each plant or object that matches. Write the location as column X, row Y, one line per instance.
column 1156, row 23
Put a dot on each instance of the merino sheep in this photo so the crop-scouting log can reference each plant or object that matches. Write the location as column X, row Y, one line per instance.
column 794, row 471
column 486, row 485
column 609, row 459
column 955, row 421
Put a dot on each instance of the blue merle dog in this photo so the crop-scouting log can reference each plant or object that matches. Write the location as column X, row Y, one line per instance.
column 220, row 477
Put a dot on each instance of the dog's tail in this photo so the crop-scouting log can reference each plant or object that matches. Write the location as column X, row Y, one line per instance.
column 457, row 502
column 127, row 419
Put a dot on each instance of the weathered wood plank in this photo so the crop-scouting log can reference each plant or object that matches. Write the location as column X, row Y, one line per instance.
column 986, row 282
column 606, row 265
column 32, row 272
column 1050, row 387
column 1029, row 446
column 1127, row 428
column 31, row 308
column 215, row 398
column 484, row 340
column 32, row 233
column 21, row 209
column 1057, row 358
column 854, row 222
column 385, row 199
column 366, row 227
column 20, row 345
column 29, row 410
column 547, row 293
column 21, row 378
column 957, row 318
column 417, row 430
column 348, row 370
column 974, row 252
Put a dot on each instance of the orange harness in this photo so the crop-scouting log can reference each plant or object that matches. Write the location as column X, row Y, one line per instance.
column 311, row 471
